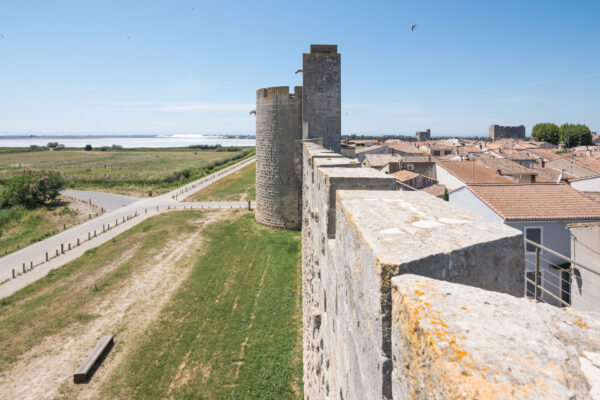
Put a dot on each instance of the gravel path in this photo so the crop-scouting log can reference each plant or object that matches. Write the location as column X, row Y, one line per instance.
column 109, row 201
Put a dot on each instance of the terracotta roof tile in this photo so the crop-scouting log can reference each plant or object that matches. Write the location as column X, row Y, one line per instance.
column 538, row 201
column 404, row 175
column 436, row 190
column 367, row 149
column 472, row 172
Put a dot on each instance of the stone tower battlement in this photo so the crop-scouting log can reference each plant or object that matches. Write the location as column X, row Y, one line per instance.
column 313, row 111
column 277, row 94
column 278, row 157
column 322, row 101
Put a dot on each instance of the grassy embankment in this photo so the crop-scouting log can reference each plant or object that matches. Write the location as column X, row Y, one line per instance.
column 241, row 185
column 20, row 227
column 129, row 171
column 231, row 329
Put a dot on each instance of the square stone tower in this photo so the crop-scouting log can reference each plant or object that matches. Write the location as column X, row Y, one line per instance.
column 322, row 95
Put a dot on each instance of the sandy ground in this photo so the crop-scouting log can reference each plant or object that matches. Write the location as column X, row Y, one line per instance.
column 46, row 370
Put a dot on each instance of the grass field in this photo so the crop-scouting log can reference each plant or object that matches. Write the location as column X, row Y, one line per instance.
column 19, row 226
column 241, row 185
column 130, row 171
column 213, row 312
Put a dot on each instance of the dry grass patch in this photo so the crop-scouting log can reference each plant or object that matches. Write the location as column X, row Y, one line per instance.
column 20, row 227
column 117, row 288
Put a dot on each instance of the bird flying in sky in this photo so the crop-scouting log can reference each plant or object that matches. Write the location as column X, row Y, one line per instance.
column 412, row 28
column 298, row 71
column 253, row 112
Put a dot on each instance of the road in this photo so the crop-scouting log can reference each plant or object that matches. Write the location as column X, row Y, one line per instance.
column 109, row 201
column 63, row 247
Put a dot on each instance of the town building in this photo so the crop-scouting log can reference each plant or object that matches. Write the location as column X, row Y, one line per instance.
column 543, row 213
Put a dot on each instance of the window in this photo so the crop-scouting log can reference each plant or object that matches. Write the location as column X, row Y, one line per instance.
column 436, row 152
column 535, row 235
column 410, row 167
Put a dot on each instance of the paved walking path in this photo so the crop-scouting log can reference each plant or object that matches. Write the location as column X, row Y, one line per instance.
column 109, row 201
column 54, row 252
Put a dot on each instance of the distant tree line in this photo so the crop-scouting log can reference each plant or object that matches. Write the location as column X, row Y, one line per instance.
column 114, row 147
column 569, row 135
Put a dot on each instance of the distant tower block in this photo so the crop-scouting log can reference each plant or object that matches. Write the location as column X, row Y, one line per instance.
column 496, row 132
column 321, row 101
column 279, row 157
column 423, row 136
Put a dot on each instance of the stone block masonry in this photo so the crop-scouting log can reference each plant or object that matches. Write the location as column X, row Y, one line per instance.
column 506, row 132
column 322, row 100
column 278, row 157
column 362, row 338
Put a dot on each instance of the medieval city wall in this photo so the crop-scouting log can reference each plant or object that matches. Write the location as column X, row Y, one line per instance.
column 407, row 296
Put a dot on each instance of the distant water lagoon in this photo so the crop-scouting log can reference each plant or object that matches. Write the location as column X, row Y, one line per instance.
column 126, row 141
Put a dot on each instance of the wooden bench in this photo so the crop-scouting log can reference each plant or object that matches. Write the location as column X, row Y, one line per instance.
column 82, row 373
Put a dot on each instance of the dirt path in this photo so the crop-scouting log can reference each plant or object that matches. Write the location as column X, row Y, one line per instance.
column 46, row 370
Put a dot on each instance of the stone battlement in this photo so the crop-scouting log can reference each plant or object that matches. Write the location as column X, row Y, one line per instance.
column 323, row 49
column 407, row 296
column 278, row 94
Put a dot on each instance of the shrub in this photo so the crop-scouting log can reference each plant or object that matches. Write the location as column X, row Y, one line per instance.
column 31, row 189
column 88, row 147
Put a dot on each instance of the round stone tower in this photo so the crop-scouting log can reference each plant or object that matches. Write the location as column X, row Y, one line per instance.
column 279, row 157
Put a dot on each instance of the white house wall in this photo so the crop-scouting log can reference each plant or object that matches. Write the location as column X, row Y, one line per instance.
column 446, row 178
column 587, row 184
column 466, row 199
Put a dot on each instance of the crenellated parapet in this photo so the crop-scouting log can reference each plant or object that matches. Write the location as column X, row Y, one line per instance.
column 406, row 296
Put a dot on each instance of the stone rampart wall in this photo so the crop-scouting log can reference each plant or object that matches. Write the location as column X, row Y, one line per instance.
column 361, row 240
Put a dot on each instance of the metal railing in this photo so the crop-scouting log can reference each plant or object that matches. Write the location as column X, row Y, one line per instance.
column 551, row 282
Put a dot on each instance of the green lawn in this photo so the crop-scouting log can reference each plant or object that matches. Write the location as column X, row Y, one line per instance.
column 235, row 325
column 130, row 171
column 241, row 185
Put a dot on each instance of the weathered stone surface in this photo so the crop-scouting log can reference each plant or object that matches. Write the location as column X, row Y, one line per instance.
column 278, row 157
column 379, row 233
column 322, row 101
column 454, row 341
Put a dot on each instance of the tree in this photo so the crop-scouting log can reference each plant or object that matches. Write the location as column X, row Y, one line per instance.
column 446, row 196
column 88, row 147
column 546, row 132
column 31, row 189
column 573, row 135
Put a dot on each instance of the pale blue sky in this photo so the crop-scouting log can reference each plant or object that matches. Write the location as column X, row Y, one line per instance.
column 194, row 66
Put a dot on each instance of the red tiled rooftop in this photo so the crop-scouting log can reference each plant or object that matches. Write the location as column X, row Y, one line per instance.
column 436, row 190
column 404, row 175
column 538, row 201
column 472, row 172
